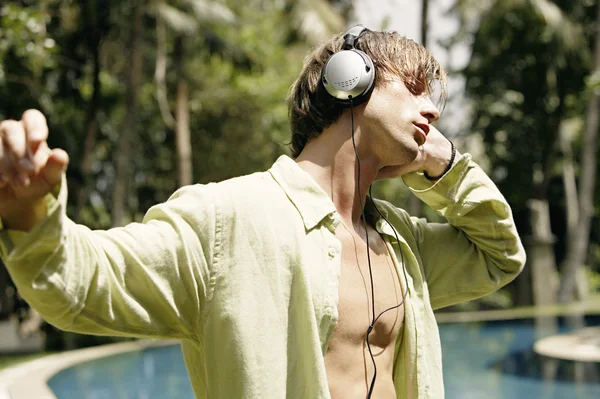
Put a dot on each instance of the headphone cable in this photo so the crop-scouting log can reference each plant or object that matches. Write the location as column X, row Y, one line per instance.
column 374, row 319
column 368, row 251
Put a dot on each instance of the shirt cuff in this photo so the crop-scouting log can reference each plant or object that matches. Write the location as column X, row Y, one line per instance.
column 438, row 194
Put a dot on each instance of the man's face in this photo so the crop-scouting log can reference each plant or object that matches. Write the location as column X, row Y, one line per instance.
column 396, row 122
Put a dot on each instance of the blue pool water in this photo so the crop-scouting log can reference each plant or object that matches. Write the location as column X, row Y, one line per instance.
column 481, row 360
column 496, row 361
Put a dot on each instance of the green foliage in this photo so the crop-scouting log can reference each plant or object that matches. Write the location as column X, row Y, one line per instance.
column 241, row 124
column 529, row 80
column 238, row 72
column 23, row 33
column 524, row 78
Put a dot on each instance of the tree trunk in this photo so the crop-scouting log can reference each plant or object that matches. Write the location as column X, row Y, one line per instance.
column 544, row 277
column 182, row 126
column 578, row 238
column 572, row 205
column 540, row 250
column 160, row 73
column 87, row 158
column 424, row 21
column 184, row 144
column 571, row 199
column 123, row 153
column 414, row 206
column 553, row 80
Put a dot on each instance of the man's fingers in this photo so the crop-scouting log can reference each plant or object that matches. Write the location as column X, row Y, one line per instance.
column 25, row 157
column 40, row 157
column 59, row 157
column 3, row 161
column 4, row 166
column 16, row 164
column 35, row 125
column 55, row 167
column 13, row 136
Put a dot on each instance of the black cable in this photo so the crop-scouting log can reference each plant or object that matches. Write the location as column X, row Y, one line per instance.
column 401, row 256
column 374, row 320
column 368, row 252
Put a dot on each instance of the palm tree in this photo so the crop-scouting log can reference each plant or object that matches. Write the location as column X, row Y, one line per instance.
column 312, row 20
column 186, row 19
column 582, row 211
column 123, row 152
column 528, row 77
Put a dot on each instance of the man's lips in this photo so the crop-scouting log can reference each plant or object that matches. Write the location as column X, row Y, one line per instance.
column 423, row 129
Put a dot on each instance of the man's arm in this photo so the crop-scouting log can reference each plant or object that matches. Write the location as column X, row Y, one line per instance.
column 478, row 250
column 146, row 279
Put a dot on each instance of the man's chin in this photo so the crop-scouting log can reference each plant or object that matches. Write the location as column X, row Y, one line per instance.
column 388, row 172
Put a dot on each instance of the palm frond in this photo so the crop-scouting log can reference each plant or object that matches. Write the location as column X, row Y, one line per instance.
column 211, row 11
column 315, row 19
column 569, row 34
column 176, row 19
column 565, row 32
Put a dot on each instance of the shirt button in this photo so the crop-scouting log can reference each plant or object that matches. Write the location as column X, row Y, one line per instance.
column 332, row 252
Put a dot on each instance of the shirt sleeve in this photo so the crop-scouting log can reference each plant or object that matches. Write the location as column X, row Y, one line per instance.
column 148, row 279
column 479, row 249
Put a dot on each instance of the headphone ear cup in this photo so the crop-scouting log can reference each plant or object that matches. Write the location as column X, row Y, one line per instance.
column 349, row 74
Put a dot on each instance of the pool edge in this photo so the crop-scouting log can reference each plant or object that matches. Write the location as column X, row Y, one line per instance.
column 30, row 379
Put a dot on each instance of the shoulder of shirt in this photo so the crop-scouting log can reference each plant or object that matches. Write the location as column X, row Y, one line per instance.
column 391, row 210
column 248, row 187
column 233, row 192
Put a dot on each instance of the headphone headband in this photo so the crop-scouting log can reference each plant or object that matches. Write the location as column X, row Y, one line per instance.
column 352, row 35
column 349, row 75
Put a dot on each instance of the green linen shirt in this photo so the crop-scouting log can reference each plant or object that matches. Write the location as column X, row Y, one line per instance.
column 245, row 273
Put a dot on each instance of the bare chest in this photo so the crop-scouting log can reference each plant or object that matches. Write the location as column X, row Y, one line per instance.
column 364, row 294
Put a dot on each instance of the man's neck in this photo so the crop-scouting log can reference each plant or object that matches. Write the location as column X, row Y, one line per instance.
column 330, row 159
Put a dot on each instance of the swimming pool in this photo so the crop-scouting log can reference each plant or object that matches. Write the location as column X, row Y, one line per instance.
column 495, row 360
column 481, row 360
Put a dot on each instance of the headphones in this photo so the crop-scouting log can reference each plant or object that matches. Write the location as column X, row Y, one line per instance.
column 349, row 75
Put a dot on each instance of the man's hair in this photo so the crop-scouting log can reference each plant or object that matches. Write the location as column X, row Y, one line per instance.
column 312, row 109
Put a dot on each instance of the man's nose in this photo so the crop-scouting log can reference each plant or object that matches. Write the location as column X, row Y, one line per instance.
column 428, row 109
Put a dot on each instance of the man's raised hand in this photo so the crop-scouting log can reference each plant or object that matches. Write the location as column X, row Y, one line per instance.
column 29, row 170
column 433, row 158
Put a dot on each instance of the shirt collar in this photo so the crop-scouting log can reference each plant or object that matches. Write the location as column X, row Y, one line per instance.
column 308, row 197
column 376, row 220
column 313, row 204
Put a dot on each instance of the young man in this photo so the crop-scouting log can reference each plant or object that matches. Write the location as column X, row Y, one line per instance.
column 277, row 282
